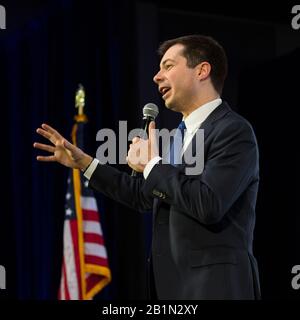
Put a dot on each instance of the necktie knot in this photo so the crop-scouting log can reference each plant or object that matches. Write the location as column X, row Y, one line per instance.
column 182, row 127
column 177, row 144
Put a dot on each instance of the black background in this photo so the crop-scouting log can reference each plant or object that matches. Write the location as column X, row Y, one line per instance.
column 51, row 46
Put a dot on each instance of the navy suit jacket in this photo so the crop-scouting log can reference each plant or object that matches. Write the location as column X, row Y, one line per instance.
column 202, row 224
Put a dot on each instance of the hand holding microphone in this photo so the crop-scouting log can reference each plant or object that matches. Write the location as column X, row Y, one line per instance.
column 141, row 151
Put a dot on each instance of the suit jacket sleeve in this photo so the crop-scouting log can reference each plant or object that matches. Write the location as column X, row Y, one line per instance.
column 231, row 164
column 121, row 187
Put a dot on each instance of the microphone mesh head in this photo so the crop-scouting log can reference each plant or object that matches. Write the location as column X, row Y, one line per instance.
column 150, row 110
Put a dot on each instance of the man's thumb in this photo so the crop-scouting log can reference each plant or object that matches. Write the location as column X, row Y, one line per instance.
column 152, row 135
column 151, row 128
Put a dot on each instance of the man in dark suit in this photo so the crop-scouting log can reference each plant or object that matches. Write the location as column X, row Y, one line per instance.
column 202, row 223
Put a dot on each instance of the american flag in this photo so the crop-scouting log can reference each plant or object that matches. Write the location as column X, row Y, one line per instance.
column 85, row 269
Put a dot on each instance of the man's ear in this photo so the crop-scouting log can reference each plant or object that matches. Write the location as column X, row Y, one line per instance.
column 203, row 70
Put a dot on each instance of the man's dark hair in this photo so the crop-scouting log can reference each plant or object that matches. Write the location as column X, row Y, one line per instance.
column 199, row 48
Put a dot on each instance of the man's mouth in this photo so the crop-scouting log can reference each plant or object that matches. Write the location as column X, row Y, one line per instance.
column 164, row 91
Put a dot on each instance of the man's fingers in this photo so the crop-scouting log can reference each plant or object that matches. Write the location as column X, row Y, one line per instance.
column 55, row 135
column 45, row 147
column 44, row 133
column 135, row 139
column 133, row 155
column 68, row 145
column 48, row 128
column 46, row 159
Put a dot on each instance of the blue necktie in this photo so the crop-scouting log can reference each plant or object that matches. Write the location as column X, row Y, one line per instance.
column 177, row 144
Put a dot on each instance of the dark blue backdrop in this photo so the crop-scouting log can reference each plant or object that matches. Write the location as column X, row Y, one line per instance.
column 109, row 46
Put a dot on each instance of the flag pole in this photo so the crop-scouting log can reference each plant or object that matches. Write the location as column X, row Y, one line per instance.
column 85, row 271
column 79, row 118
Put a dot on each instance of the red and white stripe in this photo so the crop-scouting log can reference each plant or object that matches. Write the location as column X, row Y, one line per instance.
column 94, row 251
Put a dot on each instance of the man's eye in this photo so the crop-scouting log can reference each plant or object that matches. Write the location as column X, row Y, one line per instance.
column 169, row 66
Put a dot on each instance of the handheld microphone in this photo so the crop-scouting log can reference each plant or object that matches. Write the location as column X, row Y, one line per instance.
column 150, row 112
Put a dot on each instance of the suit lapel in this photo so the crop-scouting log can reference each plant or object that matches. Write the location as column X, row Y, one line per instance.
column 207, row 126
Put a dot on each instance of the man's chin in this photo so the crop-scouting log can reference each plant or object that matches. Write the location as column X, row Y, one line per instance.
column 169, row 105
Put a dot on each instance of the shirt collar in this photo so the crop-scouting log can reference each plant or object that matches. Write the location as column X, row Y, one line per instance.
column 195, row 119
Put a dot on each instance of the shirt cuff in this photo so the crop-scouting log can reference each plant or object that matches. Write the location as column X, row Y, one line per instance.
column 91, row 168
column 150, row 165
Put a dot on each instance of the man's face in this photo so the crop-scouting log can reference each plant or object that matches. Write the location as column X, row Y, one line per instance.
column 177, row 83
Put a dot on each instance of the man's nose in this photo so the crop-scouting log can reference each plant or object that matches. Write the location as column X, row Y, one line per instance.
column 158, row 77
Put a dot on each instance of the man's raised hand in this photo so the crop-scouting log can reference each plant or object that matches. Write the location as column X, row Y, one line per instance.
column 62, row 150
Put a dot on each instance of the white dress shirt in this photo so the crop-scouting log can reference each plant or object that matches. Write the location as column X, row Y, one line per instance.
column 192, row 122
